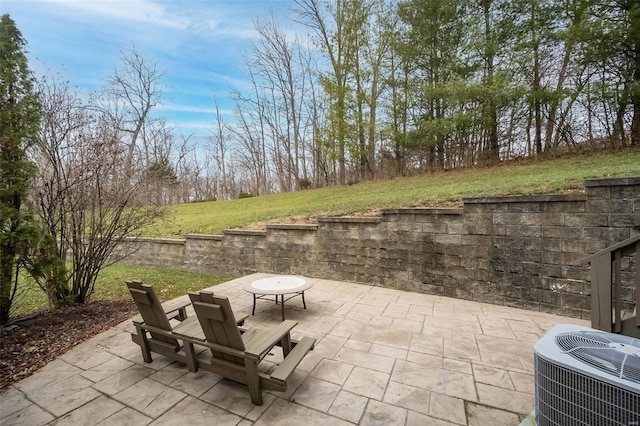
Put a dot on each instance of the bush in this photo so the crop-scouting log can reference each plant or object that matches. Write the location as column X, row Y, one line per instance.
column 304, row 183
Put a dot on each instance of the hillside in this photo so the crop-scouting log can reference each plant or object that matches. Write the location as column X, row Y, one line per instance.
column 558, row 175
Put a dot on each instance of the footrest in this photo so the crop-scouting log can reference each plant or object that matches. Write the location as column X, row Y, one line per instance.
column 284, row 370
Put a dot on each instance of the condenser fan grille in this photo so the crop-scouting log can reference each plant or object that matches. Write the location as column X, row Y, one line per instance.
column 614, row 354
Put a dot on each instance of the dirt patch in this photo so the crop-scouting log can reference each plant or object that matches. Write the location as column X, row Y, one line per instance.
column 31, row 342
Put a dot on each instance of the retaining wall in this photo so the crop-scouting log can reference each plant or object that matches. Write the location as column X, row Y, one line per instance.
column 523, row 251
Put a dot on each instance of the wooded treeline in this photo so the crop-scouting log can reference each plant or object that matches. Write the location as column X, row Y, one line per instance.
column 397, row 88
column 372, row 89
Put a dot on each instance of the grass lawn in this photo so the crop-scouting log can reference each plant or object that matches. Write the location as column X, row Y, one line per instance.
column 168, row 283
column 437, row 189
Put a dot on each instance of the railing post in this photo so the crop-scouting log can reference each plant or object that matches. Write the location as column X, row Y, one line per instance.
column 601, row 292
column 637, row 312
column 617, row 282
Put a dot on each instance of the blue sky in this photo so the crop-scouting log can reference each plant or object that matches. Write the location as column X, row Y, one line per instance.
column 199, row 44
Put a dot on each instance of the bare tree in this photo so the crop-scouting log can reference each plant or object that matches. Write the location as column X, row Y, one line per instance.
column 250, row 133
column 81, row 198
column 132, row 90
column 164, row 152
column 374, row 50
column 338, row 31
column 218, row 147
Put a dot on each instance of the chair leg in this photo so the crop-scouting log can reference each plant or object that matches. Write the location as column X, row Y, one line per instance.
column 253, row 381
column 144, row 344
column 192, row 362
column 182, row 314
column 286, row 344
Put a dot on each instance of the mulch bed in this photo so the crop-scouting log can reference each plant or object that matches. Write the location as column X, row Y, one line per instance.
column 33, row 341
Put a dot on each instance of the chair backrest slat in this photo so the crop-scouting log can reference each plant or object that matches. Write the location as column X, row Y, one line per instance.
column 213, row 312
column 218, row 323
column 150, row 309
column 140, row 296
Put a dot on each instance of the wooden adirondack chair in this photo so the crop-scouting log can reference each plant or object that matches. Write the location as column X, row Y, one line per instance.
column 154, row 331
column 236, row 356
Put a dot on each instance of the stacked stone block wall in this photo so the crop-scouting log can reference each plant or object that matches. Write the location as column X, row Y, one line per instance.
column 165, row 252
column 523, row 251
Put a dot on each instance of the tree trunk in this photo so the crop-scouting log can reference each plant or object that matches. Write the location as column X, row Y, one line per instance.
column 493, row 153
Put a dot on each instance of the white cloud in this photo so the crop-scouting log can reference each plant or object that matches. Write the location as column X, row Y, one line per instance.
column 186, row 108
column 209, row 19
column 133, row 10
column 194, row 125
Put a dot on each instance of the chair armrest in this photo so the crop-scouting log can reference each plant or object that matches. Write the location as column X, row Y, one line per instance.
column 189, row 328
column 176, row 309
column 284, row 370
column 214, row 346
column 191, row 332
column 258, row 343
column 152, row 329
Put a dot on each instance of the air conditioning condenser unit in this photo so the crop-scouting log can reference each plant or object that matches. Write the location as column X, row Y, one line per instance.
column 587, row 377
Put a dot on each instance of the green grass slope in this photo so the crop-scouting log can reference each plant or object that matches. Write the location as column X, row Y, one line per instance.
column 439, row 189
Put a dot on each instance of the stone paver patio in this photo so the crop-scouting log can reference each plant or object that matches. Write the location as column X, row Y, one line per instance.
column 383, row 357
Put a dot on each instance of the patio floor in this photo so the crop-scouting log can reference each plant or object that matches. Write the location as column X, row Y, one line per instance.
column 383, row 357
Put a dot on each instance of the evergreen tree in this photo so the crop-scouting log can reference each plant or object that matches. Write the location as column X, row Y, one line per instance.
column 611, row 34
column 433, row 44
column 19, row 120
